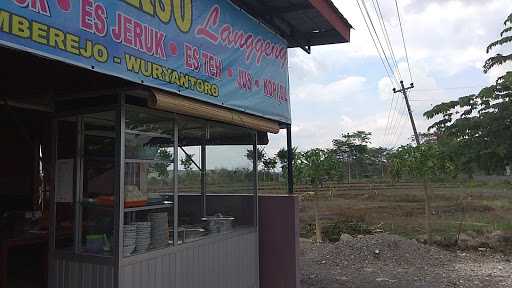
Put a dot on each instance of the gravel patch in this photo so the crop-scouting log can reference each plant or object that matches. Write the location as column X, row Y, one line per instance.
column 385, row 260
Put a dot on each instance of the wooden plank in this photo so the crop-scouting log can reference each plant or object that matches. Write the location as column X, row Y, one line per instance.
column 168, row 101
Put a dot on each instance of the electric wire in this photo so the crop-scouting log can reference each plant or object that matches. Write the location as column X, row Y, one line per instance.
column 428, row 90
column 448, row 88
column 393, row 102
column 384, row 29
column 393, row 80
column 394, row 125
column 393, row 115
column 378, row 40
column 406, row 55
column 403, row 40
column 388, row 117
column 378, row 12
column 397, row 117
column 400, row 126
column 394, row 118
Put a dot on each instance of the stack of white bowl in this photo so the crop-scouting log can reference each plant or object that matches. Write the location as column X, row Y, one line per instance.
column 159, row 229
column 129, row 239
column 143, row 238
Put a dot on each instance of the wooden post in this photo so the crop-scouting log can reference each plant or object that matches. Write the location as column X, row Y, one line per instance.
column 427, row 188
column 317, row 220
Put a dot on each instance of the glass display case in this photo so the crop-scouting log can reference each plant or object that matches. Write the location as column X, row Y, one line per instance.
column 96, row 190
column 230, row 178
column 85, row 190
column 148, row 181
column 65, row 164
column 216, row 179
column 133, row 180
column 191, row 163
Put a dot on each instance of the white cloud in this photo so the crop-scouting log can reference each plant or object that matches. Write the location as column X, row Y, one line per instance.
column 450, row 36
column 320, row 134
column 385, row 88
column 447, row 36
column 446, row 40
column 332, row 91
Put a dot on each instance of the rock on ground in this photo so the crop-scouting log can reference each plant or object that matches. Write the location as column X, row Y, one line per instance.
column 385, row 260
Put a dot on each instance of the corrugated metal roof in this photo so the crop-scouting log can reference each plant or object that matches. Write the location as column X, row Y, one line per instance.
column 303, row 23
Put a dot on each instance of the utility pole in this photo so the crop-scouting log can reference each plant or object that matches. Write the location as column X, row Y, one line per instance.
column 426, row 182
column 404, row 92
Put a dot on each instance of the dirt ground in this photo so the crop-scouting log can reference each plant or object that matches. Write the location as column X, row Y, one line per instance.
column 385, row 260
column 400, row 210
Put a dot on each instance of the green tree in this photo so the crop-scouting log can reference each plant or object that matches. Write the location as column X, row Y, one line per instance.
column 477, row 128
column 317, row 166
column 377, row 160
column 187, row 162
column 282, row 157
column 425, row 162
column 428, row 160
column 269, row 164
column 166, row 158
column 505, row 38
column 352, row 148
column 261, row 154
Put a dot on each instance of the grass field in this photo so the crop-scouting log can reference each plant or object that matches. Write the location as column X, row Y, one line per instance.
column 399, row 209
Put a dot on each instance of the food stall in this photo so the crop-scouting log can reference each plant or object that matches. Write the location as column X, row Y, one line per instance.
column 152, row 181
column 138, row 123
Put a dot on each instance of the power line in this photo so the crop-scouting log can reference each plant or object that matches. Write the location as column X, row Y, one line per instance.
column 388, row 116
column 398, row 127
column 386, row 68
column 425, row 93
column 378, row 39
column 393, row 106
column 391, row 133
column 394, row 115
column 396, row 118
column 404, row 89
column 386, row 38
column 403, row 39
column 384, row 28
column 449, row 88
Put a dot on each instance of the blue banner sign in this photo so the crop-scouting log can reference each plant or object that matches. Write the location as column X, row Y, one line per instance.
column 205, row 49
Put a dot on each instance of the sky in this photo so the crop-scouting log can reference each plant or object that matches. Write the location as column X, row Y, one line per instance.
column 344, row 88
